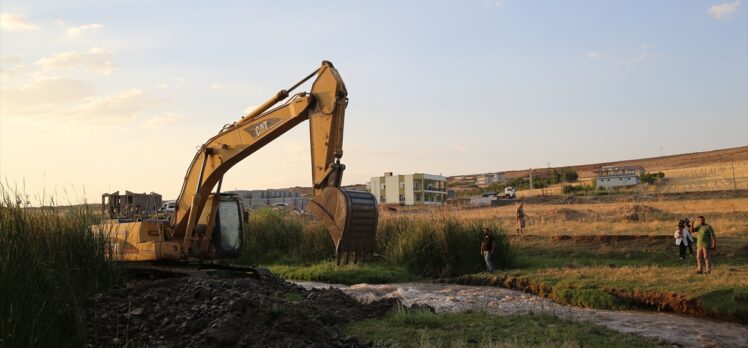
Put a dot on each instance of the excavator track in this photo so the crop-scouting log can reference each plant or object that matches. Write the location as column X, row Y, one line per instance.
column 176, row 269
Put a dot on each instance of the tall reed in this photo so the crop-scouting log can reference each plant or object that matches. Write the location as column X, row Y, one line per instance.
column 50, row 263
column 426, row 245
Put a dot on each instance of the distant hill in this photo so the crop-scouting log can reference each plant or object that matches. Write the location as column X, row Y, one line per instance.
column 651, row 164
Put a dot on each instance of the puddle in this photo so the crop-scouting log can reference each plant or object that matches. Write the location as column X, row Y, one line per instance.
column 672, row 328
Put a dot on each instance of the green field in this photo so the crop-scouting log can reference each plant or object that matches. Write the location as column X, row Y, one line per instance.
column 422, row 328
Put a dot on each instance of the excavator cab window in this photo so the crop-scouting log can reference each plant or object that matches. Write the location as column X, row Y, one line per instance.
column 228, row 233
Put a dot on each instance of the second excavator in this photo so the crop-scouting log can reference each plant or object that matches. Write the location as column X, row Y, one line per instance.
column 207, row 224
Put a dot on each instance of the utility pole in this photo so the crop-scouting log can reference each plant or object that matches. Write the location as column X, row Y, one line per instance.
column 531, row 186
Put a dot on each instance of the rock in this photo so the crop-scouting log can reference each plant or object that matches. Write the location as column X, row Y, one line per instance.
column 136, row 311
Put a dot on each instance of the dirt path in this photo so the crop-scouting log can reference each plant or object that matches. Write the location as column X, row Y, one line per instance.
column 662, row 327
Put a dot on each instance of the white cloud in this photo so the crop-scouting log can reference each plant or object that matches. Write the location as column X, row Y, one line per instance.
column 16, row 22
column 723, row 10
column 159, row 121
column 43, row 95
column 494, row 3
column 96, row 59
column 76, row 31
column 111, row 109
column 592, row 55
column 65, row 100
column 11, row 65
column 646, row 46
column 216, row 86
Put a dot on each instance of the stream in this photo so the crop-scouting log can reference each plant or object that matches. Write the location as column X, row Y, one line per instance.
column 661, row 327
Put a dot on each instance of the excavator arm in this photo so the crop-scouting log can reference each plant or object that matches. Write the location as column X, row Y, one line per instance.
column 349, row 216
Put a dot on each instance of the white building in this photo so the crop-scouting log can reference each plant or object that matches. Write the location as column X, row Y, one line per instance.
column 617, row 180
column 410, row 189
column 485, row 180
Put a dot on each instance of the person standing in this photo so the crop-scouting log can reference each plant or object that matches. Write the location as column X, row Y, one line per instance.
column 683, row 239
column 486, row 249
column 706, row 244
column 521, row 218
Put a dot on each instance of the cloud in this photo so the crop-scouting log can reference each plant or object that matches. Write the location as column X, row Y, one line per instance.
column 111, row 109
column 76, row 31
column 646, row 46
column 96, row 59
column 631, row 62
column 43, row 95
column 216, row 86
column 723, row 10
column 592, row 55
column 159, row 121
column 11, row 65
column 16, row 22
column 67, row 100
column 494, row 3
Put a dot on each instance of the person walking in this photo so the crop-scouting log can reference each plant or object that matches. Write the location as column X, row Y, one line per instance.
column 683, row 239
column 521, row 218
column 486, row 249
column 687, row 221
column 706, row 244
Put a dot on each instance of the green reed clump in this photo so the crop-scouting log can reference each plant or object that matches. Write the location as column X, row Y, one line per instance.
column 425, row 246
column 440, row 245
column 277, row 235
column 50, row 263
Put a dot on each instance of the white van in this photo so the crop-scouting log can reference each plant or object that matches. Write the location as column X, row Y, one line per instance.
column 167, row 207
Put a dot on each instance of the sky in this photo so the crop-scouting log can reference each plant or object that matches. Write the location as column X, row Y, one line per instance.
column 99, row 96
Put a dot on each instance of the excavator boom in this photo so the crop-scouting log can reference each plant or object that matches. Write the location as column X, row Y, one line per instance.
column 349, row 216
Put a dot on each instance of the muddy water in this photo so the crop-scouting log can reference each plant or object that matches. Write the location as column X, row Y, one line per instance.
column 662, row 327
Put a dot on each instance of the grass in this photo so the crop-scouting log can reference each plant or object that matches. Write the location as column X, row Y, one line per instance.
column 297, row 246
column 422, row 328
column 642, row 273
column 50, row 263
column 329, row 272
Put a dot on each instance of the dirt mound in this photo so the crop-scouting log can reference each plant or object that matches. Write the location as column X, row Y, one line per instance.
column 638, row 212
column 572, row 214
column 212, row 311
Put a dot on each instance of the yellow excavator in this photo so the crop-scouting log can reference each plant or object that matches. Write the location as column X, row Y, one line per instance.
column 207, row 224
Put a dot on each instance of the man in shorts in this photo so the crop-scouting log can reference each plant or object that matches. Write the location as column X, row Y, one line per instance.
column 706, row 244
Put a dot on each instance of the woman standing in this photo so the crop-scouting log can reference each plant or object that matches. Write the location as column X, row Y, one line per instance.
column 683, row 239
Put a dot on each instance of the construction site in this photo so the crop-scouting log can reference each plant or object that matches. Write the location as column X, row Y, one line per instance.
column 473, row 174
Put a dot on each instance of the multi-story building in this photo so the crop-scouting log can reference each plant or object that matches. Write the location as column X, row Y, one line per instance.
column 253, row 199
column 409, row 189
column 485, row 180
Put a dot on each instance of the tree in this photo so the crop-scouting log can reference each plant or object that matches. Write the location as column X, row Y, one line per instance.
column 570, row 175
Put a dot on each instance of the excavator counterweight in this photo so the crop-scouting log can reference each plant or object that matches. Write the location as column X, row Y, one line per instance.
column 207, row 224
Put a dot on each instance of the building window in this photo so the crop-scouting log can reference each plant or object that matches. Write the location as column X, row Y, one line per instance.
column 381, row 186
column 402, row 185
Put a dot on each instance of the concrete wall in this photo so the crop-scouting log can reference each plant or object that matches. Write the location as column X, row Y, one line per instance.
column 617, row 181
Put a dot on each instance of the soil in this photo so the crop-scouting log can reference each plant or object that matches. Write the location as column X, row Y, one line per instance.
column 215, row 309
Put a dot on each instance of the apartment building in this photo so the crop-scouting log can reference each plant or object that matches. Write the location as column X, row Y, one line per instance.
column 409, row 189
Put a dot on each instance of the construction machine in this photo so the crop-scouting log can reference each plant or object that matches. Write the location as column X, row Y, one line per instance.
column 207, row 224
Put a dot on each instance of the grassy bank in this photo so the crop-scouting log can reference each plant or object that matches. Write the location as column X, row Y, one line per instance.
column 640, row 273
column 49, row 265
column 408, row 248
column 477, row 329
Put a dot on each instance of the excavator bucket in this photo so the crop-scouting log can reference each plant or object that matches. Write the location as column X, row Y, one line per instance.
column 351, row 218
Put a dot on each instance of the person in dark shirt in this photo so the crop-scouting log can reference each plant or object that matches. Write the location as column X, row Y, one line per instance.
column 486, row 249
